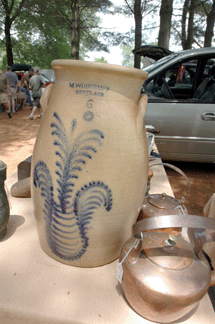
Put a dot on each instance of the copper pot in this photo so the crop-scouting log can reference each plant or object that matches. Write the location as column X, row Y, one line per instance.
column 163, row 204
column 163, row 276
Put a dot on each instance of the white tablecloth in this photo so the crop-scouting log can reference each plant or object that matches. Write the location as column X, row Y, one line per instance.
column 35, row 289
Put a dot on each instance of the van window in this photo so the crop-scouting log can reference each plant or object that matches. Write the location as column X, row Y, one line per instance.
column 175, row 83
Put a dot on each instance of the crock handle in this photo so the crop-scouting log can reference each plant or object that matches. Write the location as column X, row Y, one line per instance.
column 44, row 100
column 141, row 110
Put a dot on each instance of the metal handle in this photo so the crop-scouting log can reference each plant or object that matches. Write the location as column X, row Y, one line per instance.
column 195, row 223
column 181, row 173
column 186, row 221
column 208, row 116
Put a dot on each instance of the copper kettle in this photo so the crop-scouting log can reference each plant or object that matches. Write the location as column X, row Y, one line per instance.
column 163, row 204
column 163, row 276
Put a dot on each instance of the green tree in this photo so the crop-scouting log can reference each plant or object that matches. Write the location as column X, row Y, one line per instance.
column 80, row 18
column 195, row 23
column 128, row 57
column 100, row 60
column 45, row 29
column 165, row 23
column 210, row 13
column 187, row 24
column 41, row 36
column 10, row 10
column 139, row 9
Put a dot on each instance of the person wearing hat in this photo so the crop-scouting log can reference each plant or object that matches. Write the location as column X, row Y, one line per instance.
column 5, row 92
column 35, row 85
column 25, row 87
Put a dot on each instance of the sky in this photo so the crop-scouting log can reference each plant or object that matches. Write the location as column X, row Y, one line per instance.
column 117, row 23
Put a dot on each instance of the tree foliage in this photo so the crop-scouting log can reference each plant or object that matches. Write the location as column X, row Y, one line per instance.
column 139, row 9
column 44, row 30
column 128, row 57
column 210, row 14
column 165, row 23
column 37, row 31
column 79, row 17
column 193, row 23
column 10, row 10
column 100, row 60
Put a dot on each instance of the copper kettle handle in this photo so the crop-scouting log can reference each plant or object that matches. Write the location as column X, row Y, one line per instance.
column 197, row 223
column 180, row 172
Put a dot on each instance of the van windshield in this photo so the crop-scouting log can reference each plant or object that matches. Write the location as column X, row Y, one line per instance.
column 160, row 62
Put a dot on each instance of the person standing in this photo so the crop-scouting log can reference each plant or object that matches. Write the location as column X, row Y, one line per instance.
column 25, row 88
column 5, row 92
column 35, row 85
column 13, row 81
column 21, row 96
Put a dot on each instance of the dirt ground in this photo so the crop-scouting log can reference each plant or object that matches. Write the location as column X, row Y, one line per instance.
column 202, row 184
column 17, row 138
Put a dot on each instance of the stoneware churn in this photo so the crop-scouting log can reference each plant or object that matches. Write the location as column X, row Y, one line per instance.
column 162, row 204
column 90, row 162
column 4, row 205
column 163, row 276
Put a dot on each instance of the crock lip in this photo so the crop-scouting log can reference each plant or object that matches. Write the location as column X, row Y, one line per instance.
column 96, row 66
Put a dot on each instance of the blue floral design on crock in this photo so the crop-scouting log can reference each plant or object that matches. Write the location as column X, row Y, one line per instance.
column 67, row 220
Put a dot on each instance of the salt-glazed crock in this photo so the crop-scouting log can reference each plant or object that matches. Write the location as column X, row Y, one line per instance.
column 163, row 276
column 90, row 162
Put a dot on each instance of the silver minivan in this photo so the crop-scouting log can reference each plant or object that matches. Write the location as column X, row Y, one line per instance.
column 181, row 105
